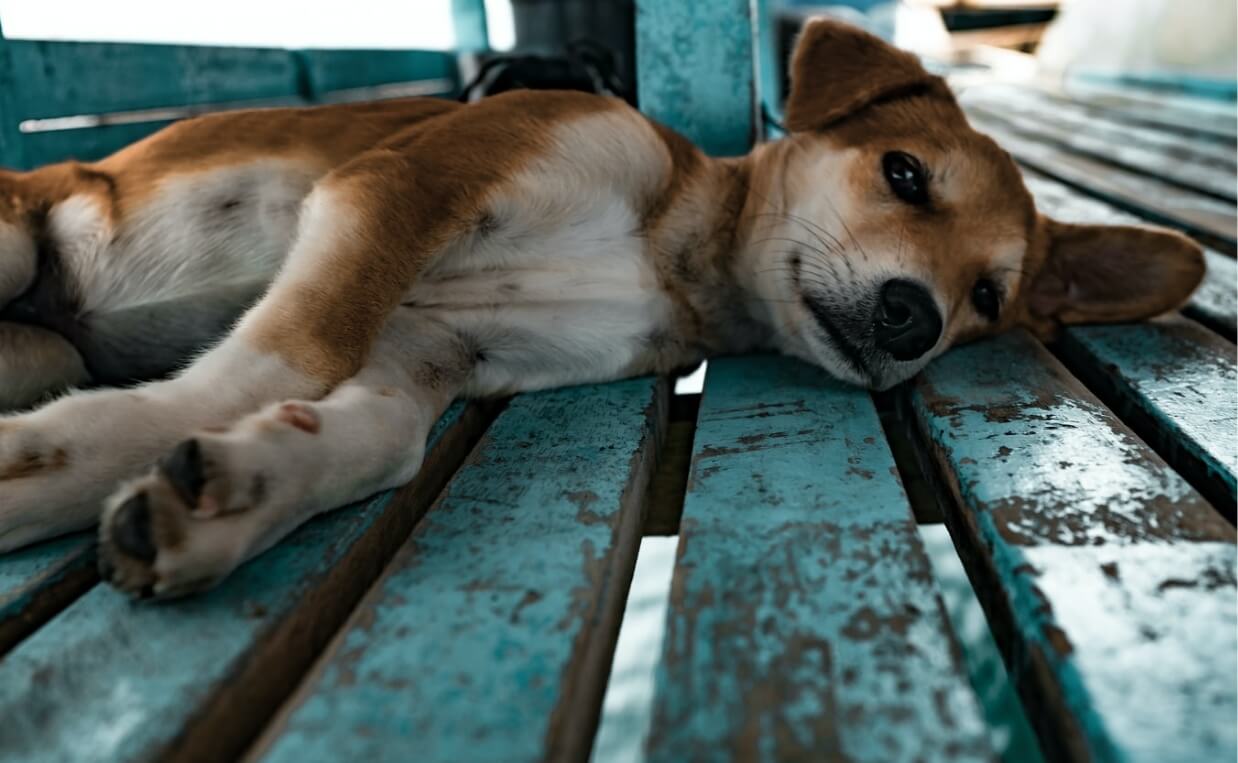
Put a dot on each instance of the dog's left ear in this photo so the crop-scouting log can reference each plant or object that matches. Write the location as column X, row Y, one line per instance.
column 838, row 69
column 1112, row 273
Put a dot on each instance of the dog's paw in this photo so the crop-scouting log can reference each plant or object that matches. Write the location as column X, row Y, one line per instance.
column 196, row 515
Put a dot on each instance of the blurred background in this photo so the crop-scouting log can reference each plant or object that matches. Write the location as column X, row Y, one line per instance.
column 1174, row 45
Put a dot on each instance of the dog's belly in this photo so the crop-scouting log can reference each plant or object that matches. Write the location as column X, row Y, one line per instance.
column 564, row 298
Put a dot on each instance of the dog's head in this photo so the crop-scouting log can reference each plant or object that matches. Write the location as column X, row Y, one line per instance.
column 900, row 231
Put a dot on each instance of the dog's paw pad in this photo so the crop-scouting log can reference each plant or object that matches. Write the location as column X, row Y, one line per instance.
column 131, row 528
column 183, row 471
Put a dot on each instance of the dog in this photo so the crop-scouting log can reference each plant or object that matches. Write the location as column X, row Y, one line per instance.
column 371, row 263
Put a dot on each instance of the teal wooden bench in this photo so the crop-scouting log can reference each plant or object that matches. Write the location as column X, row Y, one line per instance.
column 1089, row 488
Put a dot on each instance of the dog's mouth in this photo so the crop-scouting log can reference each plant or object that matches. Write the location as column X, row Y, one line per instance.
column 837, row 338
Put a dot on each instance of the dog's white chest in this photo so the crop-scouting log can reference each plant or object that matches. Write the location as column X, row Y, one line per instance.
column 548, row 296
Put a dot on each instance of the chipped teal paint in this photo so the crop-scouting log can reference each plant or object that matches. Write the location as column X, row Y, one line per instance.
column 1117, row 576
column 463, row 650
column 1181, row 377
column 805, row 621
column 109, row 679
column 1216, row 301
column 695, row 70
column 28, row 574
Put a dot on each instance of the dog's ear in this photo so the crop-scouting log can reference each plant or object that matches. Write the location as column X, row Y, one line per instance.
column 1112, row 273
column 838, row 69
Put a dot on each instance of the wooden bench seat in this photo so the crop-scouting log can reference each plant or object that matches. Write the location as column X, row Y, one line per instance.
column 1088, row 486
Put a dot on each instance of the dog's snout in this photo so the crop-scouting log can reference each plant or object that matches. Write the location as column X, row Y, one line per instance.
column 907, row 323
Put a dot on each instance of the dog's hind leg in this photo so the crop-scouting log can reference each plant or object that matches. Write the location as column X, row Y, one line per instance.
column 223, row 496
column 34, row 364
column 358, row 248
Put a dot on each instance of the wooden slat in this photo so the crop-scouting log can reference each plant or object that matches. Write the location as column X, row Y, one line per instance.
column 805, row 622
column 331, row 71
column 1108, row 581
column 695, row 70
column 1203, row 118
column 1208, row 218
column 59, row 79
column 11, row 148
column 1216, row 301
column 1203, row 177
column 108, row 679
column 87, row 144
column 490, row 636
column 1177, row 384
column 1032, row 103
column 39, row 581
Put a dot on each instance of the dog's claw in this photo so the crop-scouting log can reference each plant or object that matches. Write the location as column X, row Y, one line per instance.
column 131, row 529
column 182, row 468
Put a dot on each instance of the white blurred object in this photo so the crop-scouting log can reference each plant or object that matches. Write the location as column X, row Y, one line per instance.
column 920, row 29
column 1195, row 37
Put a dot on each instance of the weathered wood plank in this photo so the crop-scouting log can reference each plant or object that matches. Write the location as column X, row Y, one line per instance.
column 1201, row 118
column 490, row 636
column 805, row 621
column 57, row 79
column 1212, row 220
column 331, row 71
column 695, row 70
column 108, row 679
column 1202, row 177
column 1176, row 383
column 1032, row 103
column 87, row 144
column 39, row 581
column 11, row 149
column 1109, row 582
column 1216, row 301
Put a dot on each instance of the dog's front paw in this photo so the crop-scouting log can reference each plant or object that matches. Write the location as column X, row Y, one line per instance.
column 193, row 518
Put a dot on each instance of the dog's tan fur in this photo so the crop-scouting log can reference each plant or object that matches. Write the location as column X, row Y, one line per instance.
column 420, row 250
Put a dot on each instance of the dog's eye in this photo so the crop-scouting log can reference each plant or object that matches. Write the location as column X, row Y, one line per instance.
column 906, row 177
column 986, row 298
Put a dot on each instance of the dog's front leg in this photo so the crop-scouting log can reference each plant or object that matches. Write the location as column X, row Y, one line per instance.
column 226, row 495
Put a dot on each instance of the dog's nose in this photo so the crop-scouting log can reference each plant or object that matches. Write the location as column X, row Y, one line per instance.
column 907, row 323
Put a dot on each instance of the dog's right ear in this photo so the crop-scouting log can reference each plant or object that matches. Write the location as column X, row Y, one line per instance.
column 838, row 69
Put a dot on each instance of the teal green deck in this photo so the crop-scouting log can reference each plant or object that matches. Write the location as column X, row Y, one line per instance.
column 1108, row 575
column 495, row 620
column 805, row 622
column 472, row 615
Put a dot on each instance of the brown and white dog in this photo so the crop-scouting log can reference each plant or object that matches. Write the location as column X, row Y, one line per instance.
column 384, row 259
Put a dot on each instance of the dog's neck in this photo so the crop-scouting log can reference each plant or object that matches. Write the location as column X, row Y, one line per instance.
column 711, row 251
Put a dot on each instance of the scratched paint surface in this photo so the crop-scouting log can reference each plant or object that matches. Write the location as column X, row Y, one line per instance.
column 1097, row 545
column 1180, row 375
column 805, row 622
column 695, row 70
column 463, row 649
column 1216, row 301
column 109, row 679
